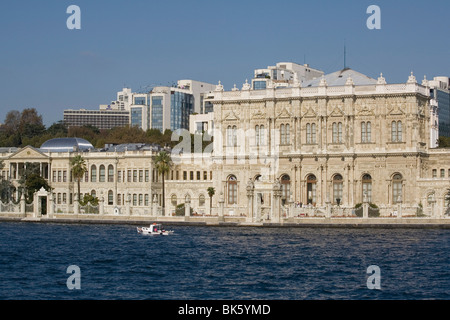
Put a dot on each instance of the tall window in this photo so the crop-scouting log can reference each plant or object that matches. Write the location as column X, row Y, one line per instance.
column 284, row 134
column 311, row 182
column 201, row 200
column 337, row 132
column 338, row 188
column 285, row 188
column 110, row 173
column 102, row 174
column 232, row 190
column 259, row 135
column 397, row 182
column 366, row 132
column 110, row 198
column 310, row 133
column 232, row 136
column 396, row 131
column 94, row 173
column 367, row 187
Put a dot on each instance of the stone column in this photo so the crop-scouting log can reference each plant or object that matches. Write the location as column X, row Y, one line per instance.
column 221, row 208
column 187, row 208
column 399, row 210
column 155, row 206
column 76, row 205
column 328, row 206
column 101, row 206
column 51, row 204
column 127, row 205
column 365, row 206
column 250, row 197
column 276, row 199
column 22, row 206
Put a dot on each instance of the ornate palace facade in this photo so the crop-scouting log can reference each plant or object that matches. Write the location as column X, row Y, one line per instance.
column 332, row 142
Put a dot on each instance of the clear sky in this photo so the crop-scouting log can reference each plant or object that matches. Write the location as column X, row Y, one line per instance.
column 139, row 43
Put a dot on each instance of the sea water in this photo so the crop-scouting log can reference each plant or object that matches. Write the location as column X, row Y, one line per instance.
column 203, row 263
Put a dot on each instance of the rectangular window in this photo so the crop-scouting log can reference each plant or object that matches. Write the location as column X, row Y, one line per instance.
column 147, row 176
column 119, row 176
column 184, row 175
column 434, row 173
column 64, row 176
column 442, row 173
column 191, row 175
column 205, row 175
column 129, row 176
column 141, row 176
column 198, row 175
column 59, row 176
column 134, row 175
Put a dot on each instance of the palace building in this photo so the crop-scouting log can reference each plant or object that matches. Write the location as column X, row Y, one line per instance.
column 316, row 146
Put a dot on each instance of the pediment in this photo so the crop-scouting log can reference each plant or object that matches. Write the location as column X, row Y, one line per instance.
column 259, row 115
column 284, row 114
column 231, row 116
column 365, row 112
column 337, row 112
column 396, row 111
column 28, row 153
column 310, row 113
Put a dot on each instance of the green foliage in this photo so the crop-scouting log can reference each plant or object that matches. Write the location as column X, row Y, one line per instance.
column 444, row 142
column 180, row 210
column 89, row 199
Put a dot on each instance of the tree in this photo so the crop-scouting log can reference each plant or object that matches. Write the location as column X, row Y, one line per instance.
column 78, row 171
column 163, row 163
column 31, row 181
column 211, row 191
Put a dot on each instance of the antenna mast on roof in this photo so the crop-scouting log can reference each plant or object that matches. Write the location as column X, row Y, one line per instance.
column 345, row 55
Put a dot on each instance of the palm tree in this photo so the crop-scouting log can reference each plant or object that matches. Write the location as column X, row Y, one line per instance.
column 78, row 171
column 163, row 163
column 211, row 191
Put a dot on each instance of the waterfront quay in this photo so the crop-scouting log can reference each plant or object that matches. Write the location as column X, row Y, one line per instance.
column 228, row 221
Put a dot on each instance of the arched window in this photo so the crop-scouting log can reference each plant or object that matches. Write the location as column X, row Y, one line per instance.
column 232, row 189
column 338, row 188
column 311, row 183
column 396, row 131
column 261, row 135
column 337, row 132
column 102, row 174
column 229, row 137
column 110, row 198
column 313, row 133
column 367, row 187
column 285, row 188
column 93, row 193
column 397, row 186
column 282, row 134
column 173, row 200
column 366, row 132
column 201, row 200
column 308, row 133
column 234, row 136
column 110, row 173
column 94, row 173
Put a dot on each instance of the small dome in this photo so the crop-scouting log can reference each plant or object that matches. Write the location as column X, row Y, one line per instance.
column 66, row 145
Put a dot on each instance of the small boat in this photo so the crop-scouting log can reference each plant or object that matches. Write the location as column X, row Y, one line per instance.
column 154, row 229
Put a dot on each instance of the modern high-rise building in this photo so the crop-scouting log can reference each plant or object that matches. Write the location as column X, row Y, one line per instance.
column 440, row 93
column 169, row 107
column 101, row 119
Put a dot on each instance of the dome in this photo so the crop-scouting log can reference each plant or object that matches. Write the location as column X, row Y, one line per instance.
column 66, row 145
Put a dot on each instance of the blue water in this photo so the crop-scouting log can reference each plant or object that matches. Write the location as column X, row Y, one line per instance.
column 222, row 263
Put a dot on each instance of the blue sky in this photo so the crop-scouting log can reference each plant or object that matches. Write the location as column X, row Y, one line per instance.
column 140, row 43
